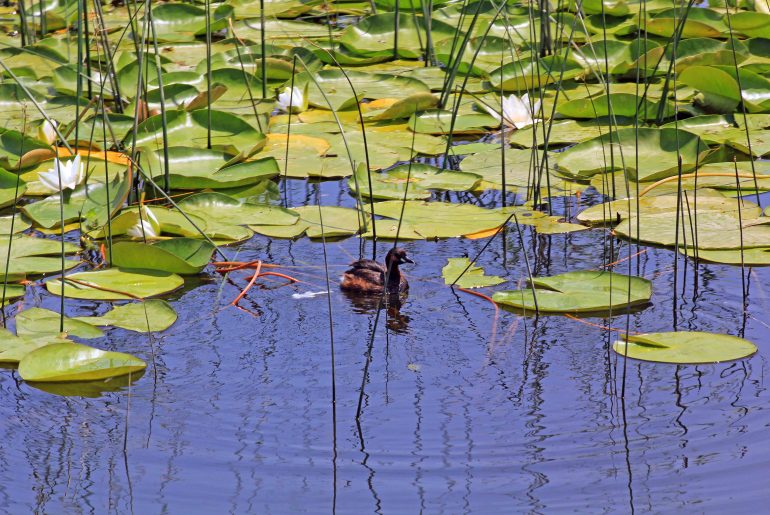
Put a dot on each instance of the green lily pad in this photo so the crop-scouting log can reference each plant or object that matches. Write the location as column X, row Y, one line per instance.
column 75, row 362
column 684, row 347
column 751, row 24
column 759, row 256
column 621, row 104
column 229, row 133
column 222, row 208
column 719, row 89
column 185, row 256
column 659, row 150
column 526, row 74
column 440, row 122
column 701, row 22
column 19, row 224
column 195, row 168
column 9, row 193
column 441, row 219
column 375, row 36
column 14, row 348
column 116, row 284
column 14, row 145
column 38, row 322
column 153, row 315
column 182, row 22
column 473, row 277
column 337, row 94
column 338, row 222
column 409, row 181
column 579, row 292
column 87, row 201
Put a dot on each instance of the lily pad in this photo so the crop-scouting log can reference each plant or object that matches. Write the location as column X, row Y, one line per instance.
column 441, row 219
column 115, row 284
column 659, row 150
column 195, row 168
column 684, row 347
column 152, row 315
column 87, row 201
column 225, row 209
column 409, row 181
column 9, row 193
column 473, row 277
column 338, row 222
column 229, row 133
column 13, row 348
column 38, row 322
column 185, row 256
column 579, row 292
column 76, row 362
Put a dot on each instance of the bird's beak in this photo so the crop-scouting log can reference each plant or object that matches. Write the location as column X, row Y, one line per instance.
column 406, row 260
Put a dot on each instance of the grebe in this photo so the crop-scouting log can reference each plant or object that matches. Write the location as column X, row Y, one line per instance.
column 368, row 276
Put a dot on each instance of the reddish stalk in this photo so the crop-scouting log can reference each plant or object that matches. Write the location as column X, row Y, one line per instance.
column 248, row 286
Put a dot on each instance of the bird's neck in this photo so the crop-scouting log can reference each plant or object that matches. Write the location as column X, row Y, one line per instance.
column 394, row 276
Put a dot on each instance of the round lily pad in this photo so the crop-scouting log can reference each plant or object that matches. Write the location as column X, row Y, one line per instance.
column 116, row 284
column 76, row 362
column 579, row 292
column 685, row 347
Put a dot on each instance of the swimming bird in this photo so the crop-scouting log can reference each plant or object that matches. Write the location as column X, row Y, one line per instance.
column 368, row 276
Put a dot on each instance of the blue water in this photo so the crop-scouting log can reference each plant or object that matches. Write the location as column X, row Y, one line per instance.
column 462, row 412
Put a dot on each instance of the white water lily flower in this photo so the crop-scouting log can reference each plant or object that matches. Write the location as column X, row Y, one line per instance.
column 72, row 173
column 294, row 97
column 517, row 112
column 47, row 132
column 146, row 227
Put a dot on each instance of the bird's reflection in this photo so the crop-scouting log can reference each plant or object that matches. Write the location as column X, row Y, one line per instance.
column 391, row 303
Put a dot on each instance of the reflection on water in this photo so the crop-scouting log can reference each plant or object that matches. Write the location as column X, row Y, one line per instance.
column 92, row 389
column 461, row 411
column 390, row 305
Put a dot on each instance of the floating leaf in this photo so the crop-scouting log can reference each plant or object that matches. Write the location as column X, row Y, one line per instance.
column 441, row 219
column 183, row 256
column 87, row 201
column 375, row 35
column 38, row 322
column 9, row 192
column 76, row 362
column 152, row 315
column 472, row 278
column 411, row 182
column 526, row 74
column 685, row 347
column 196, row 168
column 222, row 208
column 615, row 104
column 658, row 149
column 337, row 222
column 14, row 348
column 115, row 284
column 229, row 133
column 579, row 292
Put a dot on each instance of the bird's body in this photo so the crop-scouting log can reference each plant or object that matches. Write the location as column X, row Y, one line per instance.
column 368, row 276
